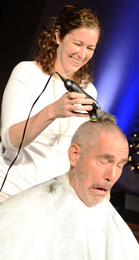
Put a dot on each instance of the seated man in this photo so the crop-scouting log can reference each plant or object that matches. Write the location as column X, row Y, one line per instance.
column 69, row 217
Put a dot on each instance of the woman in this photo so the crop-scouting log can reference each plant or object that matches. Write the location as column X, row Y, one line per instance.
column 66, row 47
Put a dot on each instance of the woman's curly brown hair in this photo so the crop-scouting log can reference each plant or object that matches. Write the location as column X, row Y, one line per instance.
column 70, row 18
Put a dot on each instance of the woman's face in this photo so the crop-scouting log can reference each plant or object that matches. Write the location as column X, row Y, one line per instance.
column 75, row 50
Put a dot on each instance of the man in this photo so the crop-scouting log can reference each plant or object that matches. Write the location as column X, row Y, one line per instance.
column 70, row 217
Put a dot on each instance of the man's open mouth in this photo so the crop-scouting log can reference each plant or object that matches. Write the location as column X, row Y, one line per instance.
column 99, row 188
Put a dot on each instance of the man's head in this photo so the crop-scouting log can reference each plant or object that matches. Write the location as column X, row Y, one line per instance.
column 97, row 154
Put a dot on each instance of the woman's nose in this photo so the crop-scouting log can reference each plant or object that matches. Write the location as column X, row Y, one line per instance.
column 82, row 52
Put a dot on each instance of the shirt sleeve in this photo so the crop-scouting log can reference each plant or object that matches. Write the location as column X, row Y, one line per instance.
column 15, row 103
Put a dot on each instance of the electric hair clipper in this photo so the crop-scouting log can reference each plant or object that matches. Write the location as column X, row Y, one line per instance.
column 72, row 86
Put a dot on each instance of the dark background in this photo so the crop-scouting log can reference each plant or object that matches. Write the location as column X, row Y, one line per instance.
column 117, row 61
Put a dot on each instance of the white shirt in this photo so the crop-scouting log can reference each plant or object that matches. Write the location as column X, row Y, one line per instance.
column 43, row 159
column 50, row 222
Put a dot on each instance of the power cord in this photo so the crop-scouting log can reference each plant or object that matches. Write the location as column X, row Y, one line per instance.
column 25, row 132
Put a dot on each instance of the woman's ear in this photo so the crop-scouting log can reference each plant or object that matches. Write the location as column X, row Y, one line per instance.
column 74, row 153
column 57, row 34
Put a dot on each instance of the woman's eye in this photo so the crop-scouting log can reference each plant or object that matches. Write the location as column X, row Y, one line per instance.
column 77, row 44
column 90, row 49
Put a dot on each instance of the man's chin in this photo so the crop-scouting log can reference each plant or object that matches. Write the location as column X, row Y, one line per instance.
column 94, row 202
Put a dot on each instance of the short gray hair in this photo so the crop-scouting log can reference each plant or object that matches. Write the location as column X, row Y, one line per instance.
column 86, row 136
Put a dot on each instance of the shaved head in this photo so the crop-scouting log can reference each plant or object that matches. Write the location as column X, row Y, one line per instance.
column 87, row 135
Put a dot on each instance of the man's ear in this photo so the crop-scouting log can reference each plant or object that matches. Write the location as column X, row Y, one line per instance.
column 74, row 153
column 57, row 34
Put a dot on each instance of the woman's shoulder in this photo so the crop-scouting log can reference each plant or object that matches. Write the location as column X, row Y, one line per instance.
column 27, row 66
column 28, row 71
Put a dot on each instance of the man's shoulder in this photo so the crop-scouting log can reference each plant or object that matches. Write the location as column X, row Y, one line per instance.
column 55, row 187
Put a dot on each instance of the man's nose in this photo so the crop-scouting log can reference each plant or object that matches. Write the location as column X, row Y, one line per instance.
column 111, row 174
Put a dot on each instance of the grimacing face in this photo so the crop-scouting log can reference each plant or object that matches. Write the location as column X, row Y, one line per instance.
column 75, row 49
column 93, row 175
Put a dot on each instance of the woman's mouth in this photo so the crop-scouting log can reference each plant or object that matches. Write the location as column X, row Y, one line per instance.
column 77, row 61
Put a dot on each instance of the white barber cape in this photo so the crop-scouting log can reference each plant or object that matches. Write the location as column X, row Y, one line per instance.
column 49, row 222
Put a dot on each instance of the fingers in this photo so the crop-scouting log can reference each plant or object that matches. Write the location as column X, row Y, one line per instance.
column 79, row 101
column 82, row 107
column 72, row 95
column 78, row 98
column 72, row 104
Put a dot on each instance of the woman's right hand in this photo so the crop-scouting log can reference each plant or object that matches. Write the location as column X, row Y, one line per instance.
column 72, row 104
column 66, row 106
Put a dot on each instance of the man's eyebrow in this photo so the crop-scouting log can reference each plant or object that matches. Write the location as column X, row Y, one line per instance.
column 124, row 160
column 106, row 155
column 110, row 156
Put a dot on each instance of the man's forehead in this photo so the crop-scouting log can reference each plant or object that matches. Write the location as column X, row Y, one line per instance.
column 111, row 136
column 111, row 143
